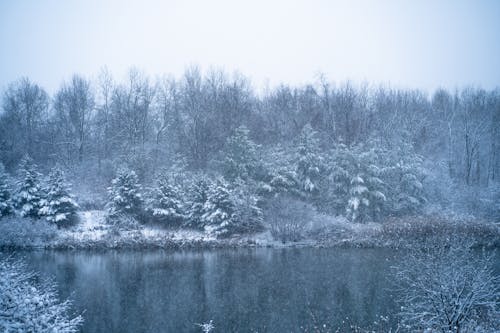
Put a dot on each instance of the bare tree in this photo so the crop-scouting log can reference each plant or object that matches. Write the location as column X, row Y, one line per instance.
column 74, row 104
column 25, row 106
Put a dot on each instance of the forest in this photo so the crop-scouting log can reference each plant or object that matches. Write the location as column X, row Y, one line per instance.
column 207, row 161
column 208, row 150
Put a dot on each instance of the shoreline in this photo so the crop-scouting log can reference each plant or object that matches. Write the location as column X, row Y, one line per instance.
column 92, row 233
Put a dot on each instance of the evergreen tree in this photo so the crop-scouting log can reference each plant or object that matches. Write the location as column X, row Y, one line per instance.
column 248, row 215
column 59, row 206
column 309, row 163
column 341, row 164
column 167, row 203
column 366, row 197
column 358, row 204
column 29, row 194
column 219, row 210
column 6, row 206
column 125, row 195
column 240, row 156
column 198, row 198
column 405, row 176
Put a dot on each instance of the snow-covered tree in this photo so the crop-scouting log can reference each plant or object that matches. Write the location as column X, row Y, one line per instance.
column 248, row 215
column 59, row 205
column 239, row 156
column 367, row 188
column 6, row 205
column 447, row 286
column 355, row 182
column 219, row 210
column 340, row 165
column 29, row 193
column 405, row 176
column 125, row 195
column 358, row 205
column 167, row 207
column 198, row 197
column 30, row 306
column 309, row 163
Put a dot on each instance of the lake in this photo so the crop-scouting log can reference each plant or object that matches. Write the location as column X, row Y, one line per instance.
column 244, row 290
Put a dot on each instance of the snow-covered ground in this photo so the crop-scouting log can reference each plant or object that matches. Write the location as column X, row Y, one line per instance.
column 92, row 231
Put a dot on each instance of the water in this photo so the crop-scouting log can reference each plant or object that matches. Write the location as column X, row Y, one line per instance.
column 247, row 290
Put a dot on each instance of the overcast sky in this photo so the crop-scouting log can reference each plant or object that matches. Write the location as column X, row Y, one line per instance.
column 417, row 44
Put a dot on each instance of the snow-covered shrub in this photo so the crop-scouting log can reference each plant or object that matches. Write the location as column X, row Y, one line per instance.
column 6, row 205
column 28, row 305
column 25, row 232
column 448, row 287
column 125, row 195
column 29, row 193
column 288, row 218
column 58, row 206
column 166, row 207
column 414, row 229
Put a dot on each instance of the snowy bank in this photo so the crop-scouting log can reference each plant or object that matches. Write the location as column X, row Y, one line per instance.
column 92, row 232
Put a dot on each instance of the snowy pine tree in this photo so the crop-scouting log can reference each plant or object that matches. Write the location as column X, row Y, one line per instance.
column 366, row 197
column 358, row 204
column 167, row 207
column 198, row 197
column 219, row 210
column 405, row 176
column 59, row 206
column 341, row 164
column 248, row 215
column 309, row 161
column 125, row 195
column 6, row 205
column 240, row 156
column 29, row 194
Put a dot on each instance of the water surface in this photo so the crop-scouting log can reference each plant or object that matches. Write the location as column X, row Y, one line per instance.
column 246, row 290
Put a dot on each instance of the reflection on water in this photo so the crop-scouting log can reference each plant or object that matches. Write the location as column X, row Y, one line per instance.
column 248, row 290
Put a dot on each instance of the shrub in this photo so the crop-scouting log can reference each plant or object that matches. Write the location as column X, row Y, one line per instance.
column 288, row 218
column 447, row 287
column 27, row 305
column 25, row 232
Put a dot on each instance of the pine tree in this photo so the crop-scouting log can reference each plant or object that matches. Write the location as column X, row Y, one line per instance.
column 29, row 194
column 59, row 206
column 125, row 195
column 309, row 161
column 248, row 215
column 219, row 210
column 341, row 164
column 167, row 204
column 366, row 191
column 405, row 176
column 198, row 198
column 240, row 156
column 6, row 205
column 359, row 203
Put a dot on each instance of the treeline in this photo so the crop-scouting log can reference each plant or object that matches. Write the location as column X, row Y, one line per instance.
column 362, row 151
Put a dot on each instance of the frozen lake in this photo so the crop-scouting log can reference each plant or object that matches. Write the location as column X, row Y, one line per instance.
column 245, row 290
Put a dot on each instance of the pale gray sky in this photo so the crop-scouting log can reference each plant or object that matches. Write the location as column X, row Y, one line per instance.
column 418, row 44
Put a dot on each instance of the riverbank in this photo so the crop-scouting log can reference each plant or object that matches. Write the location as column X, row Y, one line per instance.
column 92, row 232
